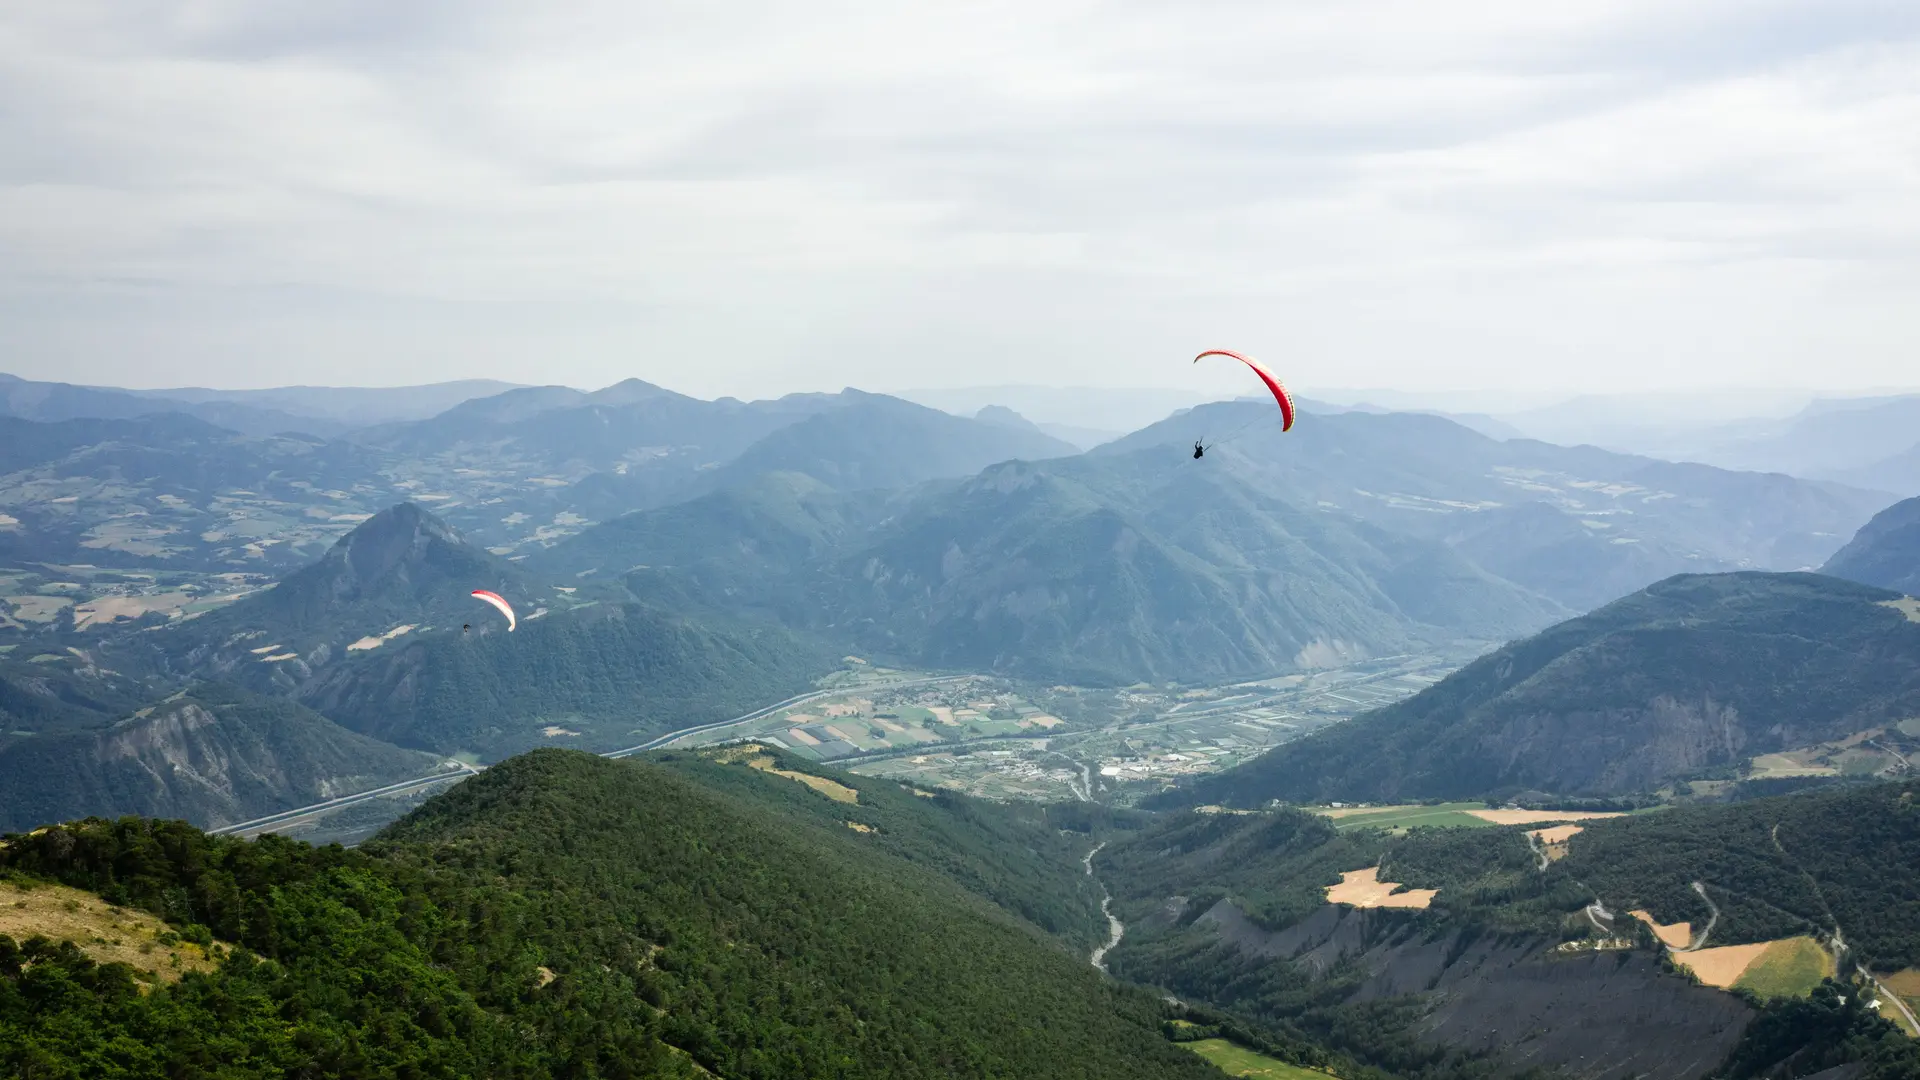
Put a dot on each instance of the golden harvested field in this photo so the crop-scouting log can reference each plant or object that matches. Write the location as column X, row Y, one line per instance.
column 1364, row 889
column 108, row 608
column 1675, row 935
column 1721, row 967
column 1905, row 983
column 803, row 738
column 838, row 792
column 1537, row 817
column 107, row 934
column 1557, row 834
column 37, row 608
column 375, row 641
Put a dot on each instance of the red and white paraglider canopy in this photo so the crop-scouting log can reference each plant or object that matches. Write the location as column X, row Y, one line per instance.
column 499, row 602
column 1279, row 392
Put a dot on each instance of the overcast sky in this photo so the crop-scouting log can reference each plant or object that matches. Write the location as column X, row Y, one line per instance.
column 754, row 198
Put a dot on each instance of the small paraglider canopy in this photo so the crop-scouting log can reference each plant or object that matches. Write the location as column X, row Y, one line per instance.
column 1279, row 392
column 499, row 602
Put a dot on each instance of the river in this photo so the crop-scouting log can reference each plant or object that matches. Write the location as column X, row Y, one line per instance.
column 1115, row 927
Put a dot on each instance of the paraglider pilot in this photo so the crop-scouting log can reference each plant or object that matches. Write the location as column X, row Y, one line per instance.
column 1198, row 450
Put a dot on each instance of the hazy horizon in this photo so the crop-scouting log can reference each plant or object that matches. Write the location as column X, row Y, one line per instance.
column 742, row 200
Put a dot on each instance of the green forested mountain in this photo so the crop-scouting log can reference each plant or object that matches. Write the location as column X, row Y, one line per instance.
column 1579, row 524
column 53, row 693
column 1230, row 910
column 600, row 677
column 399, row 575
column 739, row 544
column 563, row 915
column 1696, row 673
column 382, row 637
column 403, row 566
column 1110, row 569
column 1885, row 552
column 213, row 755
column 1139, row 567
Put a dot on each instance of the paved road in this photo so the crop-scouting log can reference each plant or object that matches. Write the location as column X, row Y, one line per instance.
column 263, row 823
column 258, row 824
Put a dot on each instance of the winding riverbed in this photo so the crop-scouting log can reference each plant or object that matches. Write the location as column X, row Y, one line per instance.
column 1115, row 927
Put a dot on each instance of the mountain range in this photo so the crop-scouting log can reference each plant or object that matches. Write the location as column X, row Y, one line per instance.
column 1115, row 568
column 738, row 911
column 1577, row 524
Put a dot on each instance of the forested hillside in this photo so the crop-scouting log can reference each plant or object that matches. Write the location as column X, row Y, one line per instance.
column 1698, row 672
column 1101, row 570
column 1233, row 910
column 211, row 754
column 601, row 677
column 1885, row 552
column 567, row 915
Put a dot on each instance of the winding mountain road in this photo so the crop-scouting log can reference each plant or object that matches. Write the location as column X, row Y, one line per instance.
column 1700, row 941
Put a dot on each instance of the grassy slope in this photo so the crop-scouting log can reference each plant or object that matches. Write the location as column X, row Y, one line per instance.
column 1240, row 1061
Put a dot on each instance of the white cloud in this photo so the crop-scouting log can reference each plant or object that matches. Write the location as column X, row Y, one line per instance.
column 1390, row 193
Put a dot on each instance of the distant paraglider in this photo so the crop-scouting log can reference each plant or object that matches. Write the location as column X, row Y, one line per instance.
column 1279, row 392
column 498, row 602
column 1280, row 395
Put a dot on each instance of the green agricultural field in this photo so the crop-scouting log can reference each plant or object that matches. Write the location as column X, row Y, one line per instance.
column 1789, row 968
column 1239, row 1061
column 1444, row 815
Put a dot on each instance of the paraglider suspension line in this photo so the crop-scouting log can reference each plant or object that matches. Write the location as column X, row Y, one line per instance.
column 1228, row 437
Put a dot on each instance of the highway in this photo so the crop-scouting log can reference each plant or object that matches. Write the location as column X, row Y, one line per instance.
column 263, row 824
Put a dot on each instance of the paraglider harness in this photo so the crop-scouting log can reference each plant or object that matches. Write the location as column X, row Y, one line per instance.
column 1198, row 450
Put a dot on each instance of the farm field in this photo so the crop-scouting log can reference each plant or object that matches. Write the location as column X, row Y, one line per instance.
column 1364, row 889
column 1788, row 968
column 1674, row 935
column 1722, row 966
column 38, row 593
column 1239, row 1061
column 1866, row 753
column 1120, row 745
column 1540, row 817
column 1447, row 815
column 1907, row 985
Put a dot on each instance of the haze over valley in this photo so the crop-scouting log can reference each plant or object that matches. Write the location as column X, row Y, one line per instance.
column 1360, row 542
